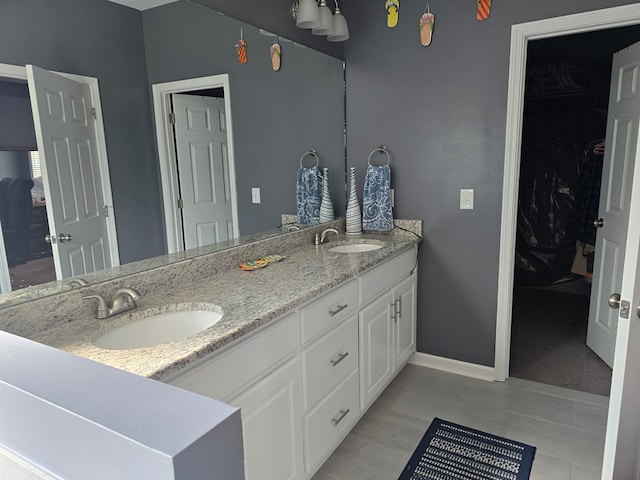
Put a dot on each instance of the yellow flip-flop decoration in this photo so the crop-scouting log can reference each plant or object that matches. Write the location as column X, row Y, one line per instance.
column 393, row 11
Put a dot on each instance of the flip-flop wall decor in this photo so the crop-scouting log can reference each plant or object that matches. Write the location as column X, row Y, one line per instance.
column 484, row 9
column 393, row 11
column 426, row 27
column 275, row 51
column 241, row 47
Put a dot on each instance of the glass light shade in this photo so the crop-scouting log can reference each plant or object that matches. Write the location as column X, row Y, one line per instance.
column 340, row 28
column 308, row 15
column 326, row 20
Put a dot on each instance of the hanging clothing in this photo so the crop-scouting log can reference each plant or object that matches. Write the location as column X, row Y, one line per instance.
column 588, row 194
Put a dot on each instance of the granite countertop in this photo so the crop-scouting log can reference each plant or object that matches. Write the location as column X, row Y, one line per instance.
column 249, row 299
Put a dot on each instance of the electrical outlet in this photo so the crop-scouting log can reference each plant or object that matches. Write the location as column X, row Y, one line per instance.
column 466, row 199
column 255, row 195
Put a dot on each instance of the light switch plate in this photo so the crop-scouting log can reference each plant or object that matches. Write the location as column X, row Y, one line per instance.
column 466, row 199
column 255, row 195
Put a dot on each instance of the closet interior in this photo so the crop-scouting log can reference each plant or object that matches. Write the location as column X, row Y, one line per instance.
column 564, row 125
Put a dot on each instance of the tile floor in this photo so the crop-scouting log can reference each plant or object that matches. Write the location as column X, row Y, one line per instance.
column 566, row 426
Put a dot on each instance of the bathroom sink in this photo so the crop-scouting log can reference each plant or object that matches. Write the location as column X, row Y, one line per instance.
column 355, row 248
column 158, row 328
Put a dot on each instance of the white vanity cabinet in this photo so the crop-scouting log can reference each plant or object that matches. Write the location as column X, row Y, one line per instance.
column 304, row 380
column 261, row 375
column 387, row 325
column 272, row 426
column 329, row 371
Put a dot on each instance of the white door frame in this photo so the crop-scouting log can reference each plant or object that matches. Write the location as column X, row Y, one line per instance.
column 19, row 72
column 167, row 156
column 520, row 35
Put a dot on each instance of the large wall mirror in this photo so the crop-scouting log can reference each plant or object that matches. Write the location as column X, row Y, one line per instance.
column 276, row 115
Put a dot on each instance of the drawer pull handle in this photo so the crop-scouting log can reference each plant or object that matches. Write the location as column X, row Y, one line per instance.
column 333, row 313
column 338, row 418
column 398, row 303
column 341, row 356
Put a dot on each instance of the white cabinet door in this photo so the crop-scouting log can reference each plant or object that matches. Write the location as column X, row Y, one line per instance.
column 376, row 348
column 405, row 321
column 272, row 425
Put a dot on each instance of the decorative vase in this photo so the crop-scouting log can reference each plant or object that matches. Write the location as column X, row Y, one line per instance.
column 354, row 214
column 326, row 207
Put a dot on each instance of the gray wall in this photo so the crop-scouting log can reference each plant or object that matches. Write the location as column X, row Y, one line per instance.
column 441, row 111
column 277, row 116
column 104, row 40
column 16, row 120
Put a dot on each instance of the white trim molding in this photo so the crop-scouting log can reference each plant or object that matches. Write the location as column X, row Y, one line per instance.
column 452, row 366
column 520, row 35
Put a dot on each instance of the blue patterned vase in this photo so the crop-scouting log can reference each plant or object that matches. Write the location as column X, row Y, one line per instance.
column 326, row 207
column 354, row 214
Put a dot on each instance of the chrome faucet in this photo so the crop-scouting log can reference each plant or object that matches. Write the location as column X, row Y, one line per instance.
column 320, row 239
column 123, row 300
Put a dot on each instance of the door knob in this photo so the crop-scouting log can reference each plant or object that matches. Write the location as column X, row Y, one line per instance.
column 64, row 237
column 598, row 223
column 614, row 301
column 50, row 238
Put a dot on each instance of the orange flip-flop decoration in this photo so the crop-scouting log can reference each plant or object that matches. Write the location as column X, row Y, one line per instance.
column 484, row 9
column 241, row 47
column 276, row 53
column 426, row 27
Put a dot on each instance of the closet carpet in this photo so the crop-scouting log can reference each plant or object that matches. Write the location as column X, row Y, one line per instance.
column 548, row 342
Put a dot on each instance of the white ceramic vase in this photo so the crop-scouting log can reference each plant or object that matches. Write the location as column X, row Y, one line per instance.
column 354, row 214
column 326, row 207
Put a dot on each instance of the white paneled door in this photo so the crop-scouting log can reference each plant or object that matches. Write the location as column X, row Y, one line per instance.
column 74, row 184
column 615, row 197
column 203, row 165
column 621, row 458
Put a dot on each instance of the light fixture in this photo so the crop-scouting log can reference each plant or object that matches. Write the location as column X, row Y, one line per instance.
column 326, row 20
column 306, row 13
column 340, row 28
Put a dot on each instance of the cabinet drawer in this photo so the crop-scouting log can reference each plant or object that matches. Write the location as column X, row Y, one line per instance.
column 329, row 360
column 226, row 373
column 332, row 417
column 385, row 276
column 328, row 310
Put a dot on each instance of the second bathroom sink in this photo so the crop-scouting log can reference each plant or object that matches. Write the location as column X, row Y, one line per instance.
column 355, row 248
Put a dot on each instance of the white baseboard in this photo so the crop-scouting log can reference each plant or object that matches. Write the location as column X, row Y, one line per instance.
column 453, row 366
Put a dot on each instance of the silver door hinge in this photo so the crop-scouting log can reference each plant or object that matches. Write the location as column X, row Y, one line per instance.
column 180, row 203
column 172, row 118
column 93, row 113
column 105, row 209
column 625, row 306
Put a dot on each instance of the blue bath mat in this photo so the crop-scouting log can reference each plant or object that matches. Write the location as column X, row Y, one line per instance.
column 453, row 452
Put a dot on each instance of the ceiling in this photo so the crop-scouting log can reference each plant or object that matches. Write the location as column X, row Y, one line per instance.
column 142, row 4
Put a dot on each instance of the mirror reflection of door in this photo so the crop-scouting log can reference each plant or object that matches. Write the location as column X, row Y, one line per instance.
column 70, row 199
column 194, row 129
column 203, row 168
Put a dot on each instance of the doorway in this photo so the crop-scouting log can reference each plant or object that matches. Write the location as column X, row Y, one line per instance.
column 521, row 36
column 566, row 92
column 188, row 229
